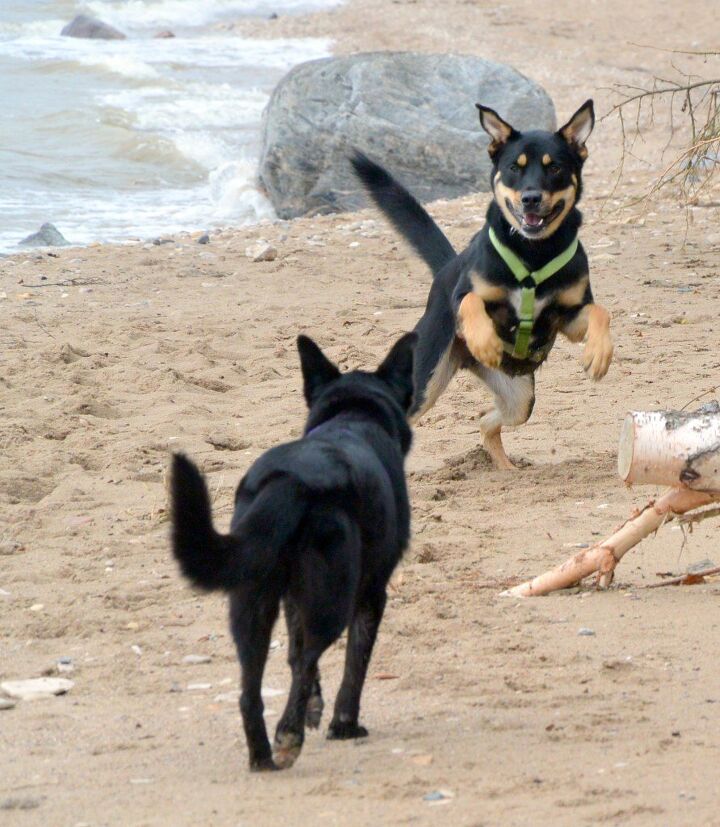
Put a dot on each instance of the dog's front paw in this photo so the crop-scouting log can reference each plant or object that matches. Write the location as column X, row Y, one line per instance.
column 344, row 730
column 486, row 346
column 597, row 356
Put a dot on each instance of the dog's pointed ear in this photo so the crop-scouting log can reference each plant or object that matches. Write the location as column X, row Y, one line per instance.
column 500, row 131
column 577, row 130
column 317, row 369
column 396, row 369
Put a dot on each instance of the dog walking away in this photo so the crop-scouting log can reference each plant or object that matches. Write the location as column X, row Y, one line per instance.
column 497, row 307
column 319, row 525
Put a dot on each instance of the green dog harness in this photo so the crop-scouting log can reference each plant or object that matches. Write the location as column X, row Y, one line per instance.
column 529, row 281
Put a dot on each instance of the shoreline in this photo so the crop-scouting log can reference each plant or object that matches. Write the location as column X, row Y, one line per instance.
column 169, row 128
column 351, row 27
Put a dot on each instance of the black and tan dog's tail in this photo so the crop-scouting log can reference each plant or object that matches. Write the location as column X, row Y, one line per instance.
column 224, row 561
column 404, row 212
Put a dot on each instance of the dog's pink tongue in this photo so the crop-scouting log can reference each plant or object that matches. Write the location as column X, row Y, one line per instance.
column 533, row 219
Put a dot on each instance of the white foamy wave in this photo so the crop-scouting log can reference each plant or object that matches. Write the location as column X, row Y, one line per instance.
column 203, row 52
column 36, row 28
column 148, row 13
column 235, row 195
column 142, row 136
column 231, row 198
column 123, row 65
column 205, row 149
column 195, row 105
column 58, row 50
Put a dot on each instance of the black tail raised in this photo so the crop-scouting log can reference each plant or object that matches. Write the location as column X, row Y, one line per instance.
column 218, row 561
column 404, row 212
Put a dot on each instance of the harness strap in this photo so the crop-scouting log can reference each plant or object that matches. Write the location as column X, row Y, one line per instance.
column 529, row 281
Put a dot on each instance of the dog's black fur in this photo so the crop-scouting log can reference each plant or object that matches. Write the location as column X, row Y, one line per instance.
column 537, row 181
column 319, row 525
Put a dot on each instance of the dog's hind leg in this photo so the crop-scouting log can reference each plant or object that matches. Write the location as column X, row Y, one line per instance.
column 290, row 732
column 514, row 398
column 251, row 620
column 361, row 640
column 323, row 592
column 315, row 704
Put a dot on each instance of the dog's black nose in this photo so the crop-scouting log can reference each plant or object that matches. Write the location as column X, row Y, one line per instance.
column 531, row 199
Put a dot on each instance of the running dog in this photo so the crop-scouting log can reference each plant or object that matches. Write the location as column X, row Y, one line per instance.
column 319, row 525
column 497, row 307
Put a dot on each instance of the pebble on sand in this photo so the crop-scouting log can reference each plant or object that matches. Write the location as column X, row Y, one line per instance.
column 33, row 688
column 438, row 795
column 196, row 659
column 585, row 632
column 261, row 251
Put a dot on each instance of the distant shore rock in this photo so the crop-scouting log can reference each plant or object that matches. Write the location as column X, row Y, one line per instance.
column 90, row 27
column 47, row 236
column 413, row 113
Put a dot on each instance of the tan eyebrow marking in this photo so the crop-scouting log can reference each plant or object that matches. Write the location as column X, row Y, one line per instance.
column 522, row 160
column 546, row 159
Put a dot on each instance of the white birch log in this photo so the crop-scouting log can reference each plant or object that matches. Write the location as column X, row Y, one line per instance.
column 672, row 448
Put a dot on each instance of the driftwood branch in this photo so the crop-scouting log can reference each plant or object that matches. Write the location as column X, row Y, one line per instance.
column 698, row 516
column 657, row 447
column 692, row 103
column 602, row 558
column 687, row 579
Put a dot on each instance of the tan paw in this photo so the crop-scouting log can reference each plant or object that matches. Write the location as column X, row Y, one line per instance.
column 287, row 749
column 597, row 356
column 486, row 347
column 492, row 443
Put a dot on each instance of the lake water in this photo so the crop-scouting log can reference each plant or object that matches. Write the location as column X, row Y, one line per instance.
column 110, row 140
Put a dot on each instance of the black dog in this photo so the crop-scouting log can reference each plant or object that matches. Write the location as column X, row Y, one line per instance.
column 497, row 307
column 319, row 524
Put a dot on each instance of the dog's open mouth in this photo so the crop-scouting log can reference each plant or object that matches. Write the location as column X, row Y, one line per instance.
column 533, row 222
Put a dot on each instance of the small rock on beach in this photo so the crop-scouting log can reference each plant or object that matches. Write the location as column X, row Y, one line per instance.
column 47, row 236
column 196, row 659
column 261, row 251
column 90, row 27
column 33, row 688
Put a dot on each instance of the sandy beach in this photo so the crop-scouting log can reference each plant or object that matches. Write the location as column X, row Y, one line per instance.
column 113, row 356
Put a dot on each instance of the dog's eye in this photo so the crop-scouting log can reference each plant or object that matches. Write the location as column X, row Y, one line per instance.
column 554, row 169
column 514, row 168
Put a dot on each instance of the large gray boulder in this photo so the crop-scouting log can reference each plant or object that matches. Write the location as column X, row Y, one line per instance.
column 413, row 113
column 85, row 26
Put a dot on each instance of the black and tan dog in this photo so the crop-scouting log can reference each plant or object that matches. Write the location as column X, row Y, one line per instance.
column 319, row 525
column 497, row 307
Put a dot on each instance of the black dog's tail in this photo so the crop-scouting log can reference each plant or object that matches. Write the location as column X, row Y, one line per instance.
column 404, row 212
column 218, row 561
